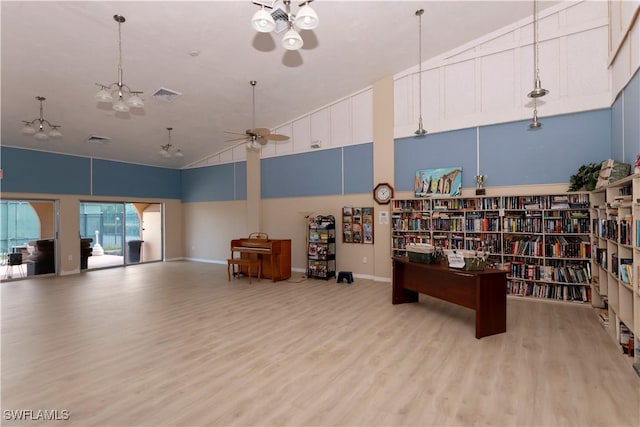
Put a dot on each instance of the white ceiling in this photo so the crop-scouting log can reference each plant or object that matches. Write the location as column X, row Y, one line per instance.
column 59, row 50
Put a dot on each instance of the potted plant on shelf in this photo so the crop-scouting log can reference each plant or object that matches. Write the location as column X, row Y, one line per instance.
column 586, row 177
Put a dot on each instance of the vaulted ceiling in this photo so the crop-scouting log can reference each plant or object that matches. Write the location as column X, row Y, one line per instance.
column 207, row 51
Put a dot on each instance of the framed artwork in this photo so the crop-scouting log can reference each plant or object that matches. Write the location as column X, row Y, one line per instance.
column 357, row 225
column 441, row 181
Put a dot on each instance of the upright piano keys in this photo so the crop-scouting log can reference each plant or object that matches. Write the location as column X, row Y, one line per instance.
column 274, row 255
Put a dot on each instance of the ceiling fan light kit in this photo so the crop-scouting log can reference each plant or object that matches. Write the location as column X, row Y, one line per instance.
column 256, row 137
column 118, row 93
column 265, row 22
column 36, row 127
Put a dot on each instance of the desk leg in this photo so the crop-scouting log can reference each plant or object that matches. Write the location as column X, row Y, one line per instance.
column 400, row 295
column 491, row 306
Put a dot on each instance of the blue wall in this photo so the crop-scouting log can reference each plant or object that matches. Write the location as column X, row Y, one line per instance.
column 432, row 151
column 631, row 130
column 129, row 180
column 319, row 173
column 215, row 183
column 29, row 171
column 510, row 153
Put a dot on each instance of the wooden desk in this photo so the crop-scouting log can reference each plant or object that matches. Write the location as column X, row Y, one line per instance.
column 483, row 291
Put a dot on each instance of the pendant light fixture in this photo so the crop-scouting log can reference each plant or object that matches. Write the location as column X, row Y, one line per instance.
column 421, row 130
column 281, row 18
column 169, row 150
column 535, row 124
column 537, row 91
column 119, row 94
column 38, row 132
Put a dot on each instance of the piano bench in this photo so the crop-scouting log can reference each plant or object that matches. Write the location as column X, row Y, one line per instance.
column 244, row 262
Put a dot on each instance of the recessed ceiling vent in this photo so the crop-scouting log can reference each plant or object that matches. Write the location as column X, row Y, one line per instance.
column 279, row 14
column 166, row 95
column 97, row 139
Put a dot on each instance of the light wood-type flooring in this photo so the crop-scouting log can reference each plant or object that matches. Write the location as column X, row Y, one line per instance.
column 176, row 344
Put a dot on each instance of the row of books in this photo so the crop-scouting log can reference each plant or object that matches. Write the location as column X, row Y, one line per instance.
column 547, row 202
column 401, row 242
column 556, row 292
column 522, row 225
column 578, row 274
column 551, row 246
column 557, row 202
column 567, row 225
column 411, row 224
column 483, row 203
column 482, row 224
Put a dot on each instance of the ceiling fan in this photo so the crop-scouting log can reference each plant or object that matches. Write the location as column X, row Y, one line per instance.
column 255, row 137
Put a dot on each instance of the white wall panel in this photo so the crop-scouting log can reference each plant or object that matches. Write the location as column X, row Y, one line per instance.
column 460, row 89
column 302, row 134
column 486, row 81
column 340, row 116
column 403, row 101
column 581, row 12
column 498, row 81
column 432, row 107
column 588, row 73
column 362, row 109
column 625, row 41
column 321, row 127
column 501, row 42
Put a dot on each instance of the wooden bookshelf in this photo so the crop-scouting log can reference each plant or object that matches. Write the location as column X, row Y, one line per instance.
column 542, row 240
column 615, row 219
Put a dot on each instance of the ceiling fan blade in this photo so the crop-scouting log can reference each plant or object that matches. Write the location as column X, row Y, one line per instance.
column 239, row 139
column 262, row 140
column 276, row 137
column 261, row 131
column 235, row 133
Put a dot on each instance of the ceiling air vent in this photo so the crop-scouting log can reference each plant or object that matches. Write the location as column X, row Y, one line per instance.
column 281, row 18
column 97, row 139
column 166, row 95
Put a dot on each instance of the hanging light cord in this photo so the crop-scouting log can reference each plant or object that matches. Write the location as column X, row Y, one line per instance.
column 420, row 131
column 419, row 13
column 536, row 67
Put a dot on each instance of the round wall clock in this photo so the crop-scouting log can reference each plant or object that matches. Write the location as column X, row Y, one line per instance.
column 383, row 193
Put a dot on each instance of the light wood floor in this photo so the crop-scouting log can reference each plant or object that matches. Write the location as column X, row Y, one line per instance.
column 175, row 343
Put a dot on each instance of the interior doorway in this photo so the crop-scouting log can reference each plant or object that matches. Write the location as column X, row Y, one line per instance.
column 120, row 233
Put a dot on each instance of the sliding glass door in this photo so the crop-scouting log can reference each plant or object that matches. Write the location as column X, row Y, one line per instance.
column 121, row 233
column 27, row 238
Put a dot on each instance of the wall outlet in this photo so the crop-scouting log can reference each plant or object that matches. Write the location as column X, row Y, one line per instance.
column 364, row 259
column 70, row 257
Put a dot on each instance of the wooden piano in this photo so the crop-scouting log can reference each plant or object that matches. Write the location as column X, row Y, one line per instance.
column 274, row 254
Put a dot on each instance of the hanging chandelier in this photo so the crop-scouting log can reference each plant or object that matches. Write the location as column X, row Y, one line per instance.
column 421, row 130
column 169, row 150
column 38, row 131
column 119, row 94
column 280, row 18
column 537, row 91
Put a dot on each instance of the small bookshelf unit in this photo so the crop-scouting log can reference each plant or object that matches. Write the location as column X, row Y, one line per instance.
column 321, row 247
column 615, row 224
column 543, row 241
